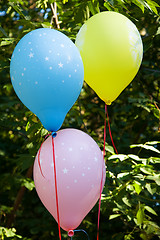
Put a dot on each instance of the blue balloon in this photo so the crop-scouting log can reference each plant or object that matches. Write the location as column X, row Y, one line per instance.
column 47, row 75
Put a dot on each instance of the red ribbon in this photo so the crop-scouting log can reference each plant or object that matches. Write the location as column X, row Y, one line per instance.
column 110, row 131
column 99, row 207
column 55, row 180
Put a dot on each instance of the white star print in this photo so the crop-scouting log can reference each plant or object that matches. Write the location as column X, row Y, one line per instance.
column 83, row 174
column 75, row 70
column 89, row 168
column 36, row 82
column 31, row 55
column 70, row 149
column 29, row 43
column 12, row 78
column 22, row 74
column 20, row 84
column 24, row 69
column 65, row 170
column 69, row 75
column 52, row 165
column 75, row 181
column 60, row 65
column 95, row 159
column 50, row 68
column 69, row 57
column 46, row 58
column 62, row 45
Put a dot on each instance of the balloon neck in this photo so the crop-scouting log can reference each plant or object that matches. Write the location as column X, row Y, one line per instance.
column 54, row 134
column 108, row 102
column 51, row 119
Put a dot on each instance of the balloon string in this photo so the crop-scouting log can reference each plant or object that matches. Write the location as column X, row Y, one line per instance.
column 81, row 230
column 55, row 180
column 99, row 207
column 110, row 130
column 39, row 162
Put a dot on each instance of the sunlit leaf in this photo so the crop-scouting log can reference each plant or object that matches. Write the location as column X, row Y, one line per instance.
column 149, row 209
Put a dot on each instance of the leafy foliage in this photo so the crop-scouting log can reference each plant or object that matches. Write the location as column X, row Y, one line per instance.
column 131, row 197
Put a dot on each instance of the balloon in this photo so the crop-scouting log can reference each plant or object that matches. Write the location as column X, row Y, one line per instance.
column 111, row 50
column 79, row 166
column 47, row 75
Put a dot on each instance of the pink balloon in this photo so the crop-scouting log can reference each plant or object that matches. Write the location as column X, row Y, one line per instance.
column 79, row 168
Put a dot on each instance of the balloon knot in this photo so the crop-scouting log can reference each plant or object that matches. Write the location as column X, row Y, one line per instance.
column 108, row 102
column 70, row 233
column 54, row 134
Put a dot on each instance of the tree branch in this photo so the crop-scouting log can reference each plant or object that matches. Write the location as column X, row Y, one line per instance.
column 55, row 17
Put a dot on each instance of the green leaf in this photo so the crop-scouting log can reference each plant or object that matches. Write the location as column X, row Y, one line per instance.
column 9, row 232
column 135, row 157
column 114, row 216
column 149, row 209
column 140, row 216
column 158, row 31
column 28, row 183
column 155, row 178
column 139, row 4
column 108, row 6
column 94, row 7
column 6, row 41
column 121, row 157
column 44, row 132
column 146, row 170
column 145, row 147
column 137, row 187
column 121, row 175
column 153, row 6
column 19, row 11
column 109, row 149
column 152, row 142
column 46, row 25
column 126, row 201
column 151, row 188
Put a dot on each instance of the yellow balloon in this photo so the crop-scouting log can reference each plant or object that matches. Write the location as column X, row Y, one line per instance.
column 111, row 49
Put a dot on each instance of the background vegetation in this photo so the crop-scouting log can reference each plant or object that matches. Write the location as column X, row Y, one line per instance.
column 131, row 198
